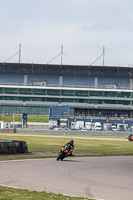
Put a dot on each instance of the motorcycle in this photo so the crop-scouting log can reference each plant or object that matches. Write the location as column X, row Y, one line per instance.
column 64, row 152
column 130, row 137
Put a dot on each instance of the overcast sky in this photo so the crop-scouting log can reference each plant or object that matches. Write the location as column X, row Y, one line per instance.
column 83, row 27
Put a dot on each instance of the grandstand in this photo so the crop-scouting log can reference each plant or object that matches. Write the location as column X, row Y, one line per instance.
column 87, row 90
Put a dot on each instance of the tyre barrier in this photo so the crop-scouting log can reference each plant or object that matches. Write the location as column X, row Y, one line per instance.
column 13, row 147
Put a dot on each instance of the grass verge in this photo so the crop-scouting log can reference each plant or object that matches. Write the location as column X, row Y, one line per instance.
column 40, row 143
column 7, row 193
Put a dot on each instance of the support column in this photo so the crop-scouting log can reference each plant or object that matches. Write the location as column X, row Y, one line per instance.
column 96, row 82
column 60, row 81
column 25, row 79
column 131, row 83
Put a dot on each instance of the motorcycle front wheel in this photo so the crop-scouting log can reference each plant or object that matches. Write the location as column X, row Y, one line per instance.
column 61, row 156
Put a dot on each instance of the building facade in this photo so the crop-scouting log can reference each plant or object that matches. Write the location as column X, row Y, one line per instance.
column 87, row 90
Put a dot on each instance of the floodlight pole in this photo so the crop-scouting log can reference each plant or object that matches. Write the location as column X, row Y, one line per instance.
column 103, row 55
column 61, row 54
column 19, row 53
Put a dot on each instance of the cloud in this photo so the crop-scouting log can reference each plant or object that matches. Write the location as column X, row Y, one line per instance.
column 82, row 26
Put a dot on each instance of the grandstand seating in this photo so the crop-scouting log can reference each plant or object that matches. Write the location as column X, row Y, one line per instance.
column 10, row 102
column 51, row 80
column 82, row 81
column 99, row 106
column 68, row 80
column 11, row 78
column 108, row 82
column 27, row 103
column 15, row 78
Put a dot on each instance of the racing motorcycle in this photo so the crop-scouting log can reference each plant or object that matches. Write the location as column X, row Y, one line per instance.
column 64, row 152
column 130, row 137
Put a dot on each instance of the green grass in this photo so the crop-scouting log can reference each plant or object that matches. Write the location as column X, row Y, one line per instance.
column 17, row 194
column 30, row 118
column 97, row 147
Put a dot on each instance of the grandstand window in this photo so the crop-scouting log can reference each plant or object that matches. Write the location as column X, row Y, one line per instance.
column 81, row 93
column 117, row 102
column 53, row 92
column 81, row 101
column 37, row 99
column 1, row 90
column 67, row 93
column 95, row 101
column 96, row 93
column 39, row 92
column 52, row 99
column 10, row 90
column 9, row 98
column 124, row 94
column 24, row 98
column 70, row 100
column 25, row 91
column 109, row 94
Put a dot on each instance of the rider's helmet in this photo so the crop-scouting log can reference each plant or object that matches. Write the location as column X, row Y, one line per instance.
column 71, row 142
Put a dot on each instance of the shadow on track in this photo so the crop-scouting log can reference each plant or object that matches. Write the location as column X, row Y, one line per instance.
column 70, row 161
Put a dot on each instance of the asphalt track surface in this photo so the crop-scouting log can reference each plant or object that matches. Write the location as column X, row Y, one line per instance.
column 108, row 178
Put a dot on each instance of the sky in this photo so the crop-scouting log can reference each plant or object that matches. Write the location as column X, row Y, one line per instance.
column 81, row 27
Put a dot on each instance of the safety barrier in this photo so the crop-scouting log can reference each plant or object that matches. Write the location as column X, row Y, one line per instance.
column 13, row 147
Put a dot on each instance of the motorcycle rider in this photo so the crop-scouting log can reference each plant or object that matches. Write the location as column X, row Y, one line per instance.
column 130, row 136
column 66, row 150
column 69, row 146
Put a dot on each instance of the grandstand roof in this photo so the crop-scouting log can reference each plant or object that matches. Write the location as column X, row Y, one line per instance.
column 65, row 69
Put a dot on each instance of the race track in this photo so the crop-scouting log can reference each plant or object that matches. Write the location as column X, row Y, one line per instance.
column 108, row 178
